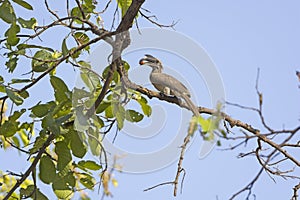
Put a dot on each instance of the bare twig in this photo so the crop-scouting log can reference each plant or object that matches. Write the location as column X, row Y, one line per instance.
column 248, row 187
column 149, row 18
column 51, row 11
column 295, row 190
column 106, row 6
column 158, row 185
column 16, row 147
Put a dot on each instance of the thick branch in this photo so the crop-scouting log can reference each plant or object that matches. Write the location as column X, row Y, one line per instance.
column 131, row 13
column 233, row 122
column 118, row 47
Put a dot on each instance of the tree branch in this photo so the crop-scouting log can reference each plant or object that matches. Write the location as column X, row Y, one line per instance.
column 31, row 167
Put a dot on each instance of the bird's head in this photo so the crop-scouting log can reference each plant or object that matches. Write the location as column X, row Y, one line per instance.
column 152, row 62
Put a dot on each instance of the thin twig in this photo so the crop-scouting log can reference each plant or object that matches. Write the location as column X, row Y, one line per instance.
column 295, row 190
column 51, row 11
column 248, row 187
column 161, row 184
column 149, row 18
column 105, row 8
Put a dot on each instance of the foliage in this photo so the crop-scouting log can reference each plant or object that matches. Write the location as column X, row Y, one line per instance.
column 58, row 166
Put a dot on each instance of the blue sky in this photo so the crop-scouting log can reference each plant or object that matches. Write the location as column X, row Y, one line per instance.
column 239, row 37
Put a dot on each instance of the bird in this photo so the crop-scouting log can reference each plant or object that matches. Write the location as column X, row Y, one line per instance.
column 167, row 84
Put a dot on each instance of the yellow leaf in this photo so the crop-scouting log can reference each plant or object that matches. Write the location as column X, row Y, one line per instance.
column 114, row 182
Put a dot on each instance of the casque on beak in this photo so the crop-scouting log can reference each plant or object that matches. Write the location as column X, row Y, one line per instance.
column 147, row 59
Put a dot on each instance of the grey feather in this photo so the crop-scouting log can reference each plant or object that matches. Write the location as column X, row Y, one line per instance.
column 162, row 80
column 168, row 84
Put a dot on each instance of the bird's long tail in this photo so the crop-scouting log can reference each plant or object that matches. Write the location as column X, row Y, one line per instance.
column 190, row 104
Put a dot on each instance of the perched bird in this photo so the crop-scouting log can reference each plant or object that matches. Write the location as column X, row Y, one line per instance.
column 167, row 84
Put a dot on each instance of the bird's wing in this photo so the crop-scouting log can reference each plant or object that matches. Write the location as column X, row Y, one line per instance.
column 161, row 80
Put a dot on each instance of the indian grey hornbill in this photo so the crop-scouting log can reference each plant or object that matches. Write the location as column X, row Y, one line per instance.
column 167, row 84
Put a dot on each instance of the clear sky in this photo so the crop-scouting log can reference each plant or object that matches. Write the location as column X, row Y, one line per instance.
column 239, row 37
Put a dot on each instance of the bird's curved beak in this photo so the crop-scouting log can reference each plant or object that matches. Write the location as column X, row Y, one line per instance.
column 147, row 59
column 143, row 61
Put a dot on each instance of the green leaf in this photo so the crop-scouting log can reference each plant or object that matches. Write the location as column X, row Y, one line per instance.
column 16, row 53
column 64, row 155
column 109, row 111
column 15, row 97
column 29, row 24
column 11, row 34
column 76, row 54
column 119, row 113
column 92, row 165
column 24, row 137
column 78, row 95
column 205, row 124
column 7, row 13
column 116, row 76
column 208, row 127
column 87, row 180
column 62, row 110
column 90, row 79
column 42, row 110
column 147, row 110
column 47, row 170
column 2, row 89
column 63, row 117
column 94, row 141
column 49, row 123
column 85, row 64
column 102, row 107
column 126, row 65
column 133, row 116
column 77, row 146
column 61, row 91
column 39, row 142
column 124, row 5
column 81, row 122
column 64, row 48
column 81, row 37
column 33, row 192
column 16, row 115
column 32, row 46
column 11, row 64
column 11, row 126
column 63, row 186
column 24, row 4
column 41, row 61
column 97, row 121
column 89, row 5
column 16, row 141
column 75, row 12
column 14, row 81
column 24, row 94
